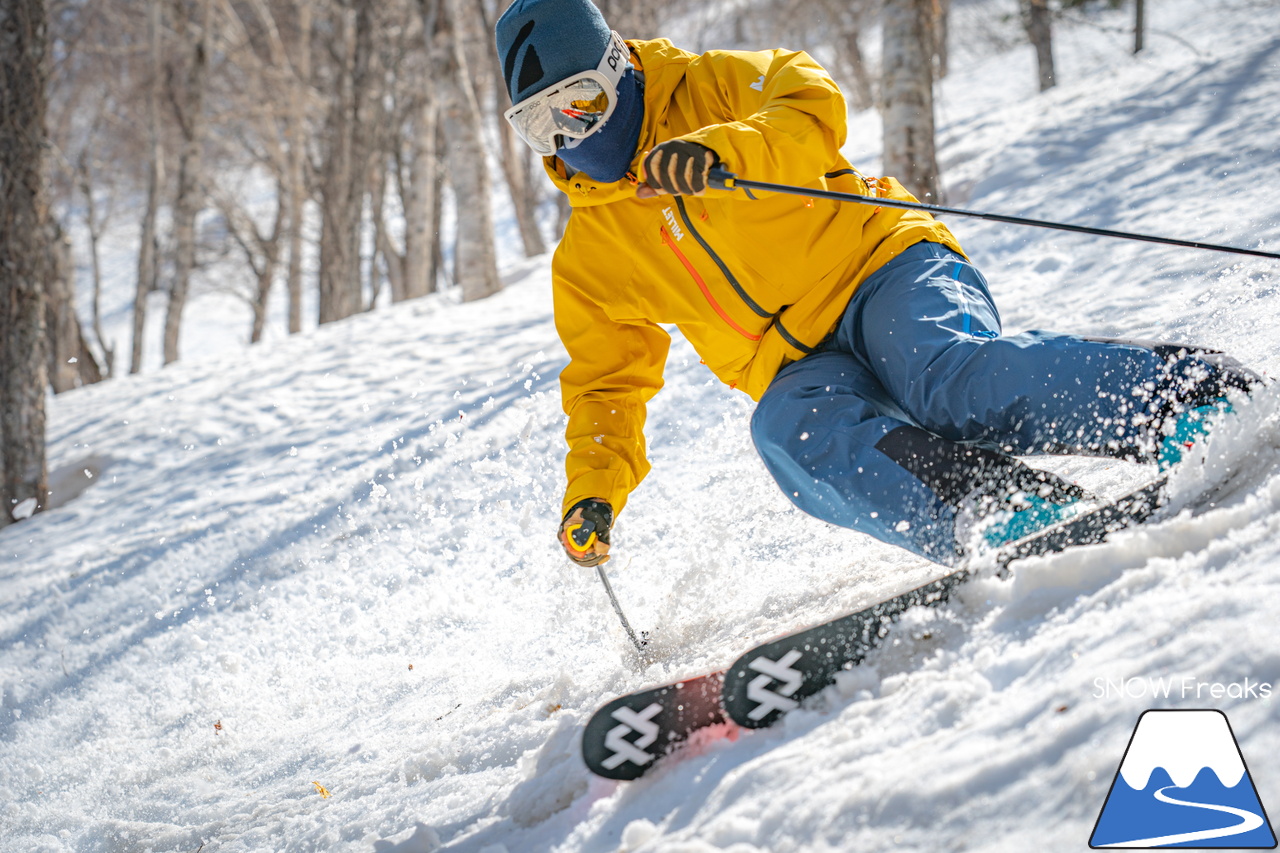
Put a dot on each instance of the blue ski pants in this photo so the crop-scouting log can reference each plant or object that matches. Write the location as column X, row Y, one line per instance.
column 921, row 346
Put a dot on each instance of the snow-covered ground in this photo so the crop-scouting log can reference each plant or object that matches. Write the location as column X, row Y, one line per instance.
column 327, row 562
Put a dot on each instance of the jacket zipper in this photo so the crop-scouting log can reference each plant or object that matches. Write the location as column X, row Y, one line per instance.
column 724, row 268
column 702, row 285
column 776, row 321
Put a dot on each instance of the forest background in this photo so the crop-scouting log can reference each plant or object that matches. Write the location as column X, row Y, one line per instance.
column 309, row 159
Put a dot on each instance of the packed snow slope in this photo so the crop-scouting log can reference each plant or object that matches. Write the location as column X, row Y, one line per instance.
column 306, row 596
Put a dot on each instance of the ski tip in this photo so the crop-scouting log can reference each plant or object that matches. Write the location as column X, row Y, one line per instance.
column 628, row 736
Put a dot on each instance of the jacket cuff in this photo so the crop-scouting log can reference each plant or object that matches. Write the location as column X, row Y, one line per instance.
column 600, row 484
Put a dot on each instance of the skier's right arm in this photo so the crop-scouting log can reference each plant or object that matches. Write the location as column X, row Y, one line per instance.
column 615, row 367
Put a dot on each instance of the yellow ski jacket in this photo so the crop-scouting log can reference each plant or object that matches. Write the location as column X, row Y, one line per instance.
column 752, row 284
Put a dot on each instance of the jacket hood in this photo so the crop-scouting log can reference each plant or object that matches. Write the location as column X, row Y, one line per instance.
column 663, row 65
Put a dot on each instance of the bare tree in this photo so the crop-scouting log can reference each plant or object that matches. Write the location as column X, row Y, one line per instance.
column 1038, row 21
column 420, row 194
column 187, row 96
column 148, row 252
column 82, row 104
column 265, row 118
column 24, row 480
column 297, row 177
column 1139, row 24
column 95, row 223
column 847, row 21
column 344, row 173
column 519, row 164
column 633, row 20
column 71, row 361
column 907, row 96
column 261, row 252
column 941, row 36
column 475, row 267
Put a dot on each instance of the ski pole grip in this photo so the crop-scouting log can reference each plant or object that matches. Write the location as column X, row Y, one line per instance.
column 582, row 535
column 720, row 178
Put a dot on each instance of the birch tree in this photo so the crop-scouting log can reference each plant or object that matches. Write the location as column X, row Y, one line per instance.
column 475, row 266
column 1038, row 21
column 187, row 96
column 297, row 145
column 71, row 360
column 418, row 172
column 521, row 167
column 343, row 173
column 95, row 223
column 148, row 250
column 907, row 97
column 848, row 20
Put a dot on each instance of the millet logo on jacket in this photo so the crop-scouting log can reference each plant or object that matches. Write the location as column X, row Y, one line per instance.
column 673, row 223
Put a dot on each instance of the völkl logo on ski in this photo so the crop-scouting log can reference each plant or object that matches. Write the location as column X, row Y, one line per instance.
column 761, row 690
column 629, row 722
column 625, row 738
column 1183, row 782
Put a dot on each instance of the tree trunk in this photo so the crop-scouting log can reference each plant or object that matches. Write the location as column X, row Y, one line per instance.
column 907, row 92
column 94, row 228
column 24, row 480
column 297, row 131
column 863, row 94
column 845, row 20
column 522, row 188
column 1139, row 24
column 71, row 362
column 437, row 214
column 377, row 182
column 1037, row 20
column 519, row 167
column 62, row 329
column 188, row 102
column 475, row 265
column 941, row 35
column 270, row 249
column 148, row 262
column 420, row 208
column 343, row 183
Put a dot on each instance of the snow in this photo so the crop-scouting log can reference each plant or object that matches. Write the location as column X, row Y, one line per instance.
column 328, row 559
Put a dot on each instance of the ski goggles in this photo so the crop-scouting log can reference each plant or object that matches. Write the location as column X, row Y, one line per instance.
column 574, row 108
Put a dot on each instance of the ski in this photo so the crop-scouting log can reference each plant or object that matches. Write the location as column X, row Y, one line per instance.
column 1091, row 527
column 775, row 677
column 625, row 738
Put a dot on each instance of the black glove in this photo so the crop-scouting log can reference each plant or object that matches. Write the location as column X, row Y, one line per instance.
column 679, row 167
column 584, row 532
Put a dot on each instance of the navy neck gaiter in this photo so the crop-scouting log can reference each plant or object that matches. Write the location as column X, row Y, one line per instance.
column 607, row 154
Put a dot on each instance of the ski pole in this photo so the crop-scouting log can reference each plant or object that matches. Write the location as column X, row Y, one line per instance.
column 617, row 608
column 725, row 180
column 583, row 536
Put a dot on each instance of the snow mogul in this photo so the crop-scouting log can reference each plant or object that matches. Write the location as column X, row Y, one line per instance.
column 890, row 400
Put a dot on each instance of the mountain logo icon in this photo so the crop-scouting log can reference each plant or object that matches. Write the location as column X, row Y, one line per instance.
column 1183, row 783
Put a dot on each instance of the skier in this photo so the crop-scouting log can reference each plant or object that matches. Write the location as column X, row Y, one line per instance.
column 890, row 401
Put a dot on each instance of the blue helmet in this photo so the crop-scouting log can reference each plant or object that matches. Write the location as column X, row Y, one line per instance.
column 541, row 42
